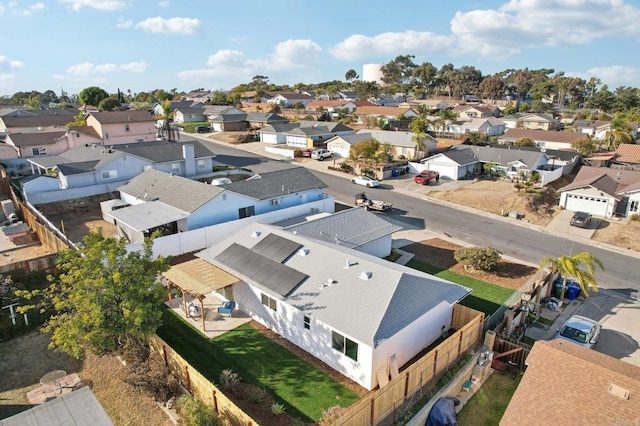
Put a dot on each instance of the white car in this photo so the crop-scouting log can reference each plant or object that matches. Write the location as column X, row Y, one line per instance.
column 365, row 181
column 580, row 330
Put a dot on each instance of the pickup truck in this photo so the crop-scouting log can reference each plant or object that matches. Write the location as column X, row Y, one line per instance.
column 363, row 201
column 426, row 176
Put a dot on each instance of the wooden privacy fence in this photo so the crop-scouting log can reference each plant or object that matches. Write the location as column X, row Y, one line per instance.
column 382, row 403
column 199, row 386
column 44, row 263
column 504, row 344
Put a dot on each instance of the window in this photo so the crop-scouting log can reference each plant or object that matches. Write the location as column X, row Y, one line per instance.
column 109, row 174
column 175, row 168
column 346, row 346
column 246, row 212
column 143, row 168
column 307, row 322
column 38, row 151
column 269, row 302
column 201, row 164
column 106, row 135
column 126, row 127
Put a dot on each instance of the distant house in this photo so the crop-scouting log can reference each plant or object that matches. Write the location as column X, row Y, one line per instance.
column 332, row 106
column 607, row 386
column 489, row 126
column 531, row 121
column 341, row 145
column 157, row 107
column 402, row 143
column 224, row 118
column 602, row 191
column 347, row 95
column 32, row 123
column 469, row 112
column 359, row 314
column 287, row 99
column 388, row 113
column 543, row 138
column 121, row 127
column 431, row 104
column 303, row 134
column 38, row 144
column 160, row 201
column 189, row 115
column 203, row 96
column 627, row 155
column 258, row 120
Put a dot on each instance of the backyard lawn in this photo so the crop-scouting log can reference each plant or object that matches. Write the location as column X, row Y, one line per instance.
column 485, row 297
column 303, row 389
column 487, row 406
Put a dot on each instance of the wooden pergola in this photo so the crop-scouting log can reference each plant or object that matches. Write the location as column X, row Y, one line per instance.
column 198, row 278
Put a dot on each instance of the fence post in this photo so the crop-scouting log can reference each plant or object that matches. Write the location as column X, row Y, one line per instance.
column 164, row 356
column 435, row 363
column 372, row 422
column 406, row 386
column 459, row 344
column 215, row 400
column 187, row 378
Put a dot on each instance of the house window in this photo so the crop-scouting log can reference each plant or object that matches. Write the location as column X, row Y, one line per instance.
column 246, row 212
column 109, row 174
column 38, row 151
column 175, row 168
column 143, row 168
column 201, row 164
column 307, row 322
column 126, row 127
column 342, row 344
column 269, row 302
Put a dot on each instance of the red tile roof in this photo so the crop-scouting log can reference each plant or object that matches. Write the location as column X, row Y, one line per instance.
column 628, row 153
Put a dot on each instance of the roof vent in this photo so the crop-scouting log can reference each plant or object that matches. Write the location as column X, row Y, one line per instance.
column 618, row 391
column 365, row 275
column 347, row 264
column 255, row 234
column 303, row 251
column 328, row 283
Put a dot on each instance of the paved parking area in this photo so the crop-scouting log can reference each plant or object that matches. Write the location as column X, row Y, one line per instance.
column 560, row 225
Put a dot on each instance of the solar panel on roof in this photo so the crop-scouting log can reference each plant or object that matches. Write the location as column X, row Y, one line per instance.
column 269, row 273
column 276, row 247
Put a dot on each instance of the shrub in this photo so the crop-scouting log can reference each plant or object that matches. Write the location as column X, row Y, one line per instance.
column 346, row 167
column 153, row 378
column 229, row 379
column 256, row 395
column 194, row 413
column 635, row 217
column 477, row 258
column 331, row 414
column 277, row 409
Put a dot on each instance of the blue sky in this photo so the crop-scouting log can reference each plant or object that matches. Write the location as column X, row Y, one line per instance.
column 142, row 45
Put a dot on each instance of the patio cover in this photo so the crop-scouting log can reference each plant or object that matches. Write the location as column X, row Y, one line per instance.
column 198, row 277
column 144, row 216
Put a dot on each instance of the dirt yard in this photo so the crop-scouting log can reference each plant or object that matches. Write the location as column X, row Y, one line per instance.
column 439, row 253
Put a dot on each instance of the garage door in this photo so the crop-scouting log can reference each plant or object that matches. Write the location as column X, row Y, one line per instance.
column 446, row 171
column 339, row 151
column 594, row 205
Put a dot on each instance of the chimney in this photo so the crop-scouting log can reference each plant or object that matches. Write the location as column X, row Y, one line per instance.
column 188, row 153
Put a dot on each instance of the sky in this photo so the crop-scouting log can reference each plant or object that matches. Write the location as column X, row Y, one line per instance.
column 143, row 45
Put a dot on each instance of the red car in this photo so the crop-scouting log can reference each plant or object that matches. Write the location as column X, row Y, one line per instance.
column 426, row 176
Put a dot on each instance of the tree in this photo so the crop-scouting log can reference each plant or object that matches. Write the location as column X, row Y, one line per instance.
column 585, row 147
column 425, row 76
column 476, row 138
column 78, row 120
column 371, row 151
column 477, row 258
column 526, row 142
column 509, row 109
column 580, row 266
column 103, row 298
column 109, row 104
column 618, row 133
column 92, row 95
column 398, row 74
column 32, row 103
column 491, row 87
column 351, row 75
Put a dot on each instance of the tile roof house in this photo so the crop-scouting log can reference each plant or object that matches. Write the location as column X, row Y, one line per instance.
column 548, row 139
column 355, row 228
column 627, row 154
column 302, row 134
column 161, row 201
column 388, row 112
column 594, row 389
column 355, row 312
column 118, row 127
column 468, row 112
column 402, row 143
column 603, row 191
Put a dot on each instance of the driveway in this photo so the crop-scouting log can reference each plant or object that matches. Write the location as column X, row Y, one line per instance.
column 560, row 225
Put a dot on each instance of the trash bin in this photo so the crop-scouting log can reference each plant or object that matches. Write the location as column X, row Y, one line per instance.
column 557, row 289
column 573, row 290
column 395, row 173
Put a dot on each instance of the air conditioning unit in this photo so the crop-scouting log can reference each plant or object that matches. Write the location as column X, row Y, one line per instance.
column 275, row 202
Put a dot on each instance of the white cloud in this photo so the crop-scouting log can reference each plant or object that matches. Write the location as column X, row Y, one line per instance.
column 124, row 23
column 226, row 58
column 294, row 54
column 6, row 63
column 97, row 4
column 359, row 46
column 87, row 68
column 182, row 26
column 164, row 3
column 613, row 76
column 31, row 9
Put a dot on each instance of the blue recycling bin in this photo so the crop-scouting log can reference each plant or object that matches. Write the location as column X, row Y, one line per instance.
column 573, row 290
column 395, row 173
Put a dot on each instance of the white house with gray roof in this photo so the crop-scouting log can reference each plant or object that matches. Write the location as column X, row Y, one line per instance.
column 173, row 204
column 359, row 314
column 402, row 143
column 355, row 228
column 302, row 134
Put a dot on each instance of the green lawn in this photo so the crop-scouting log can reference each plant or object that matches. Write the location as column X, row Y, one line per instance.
column 487, row 406
column 304, row 390
column 485, row 297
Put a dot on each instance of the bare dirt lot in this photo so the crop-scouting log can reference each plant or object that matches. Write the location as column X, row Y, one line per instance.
column 438, row 252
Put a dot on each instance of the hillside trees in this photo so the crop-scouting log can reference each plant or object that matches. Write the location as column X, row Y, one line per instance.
column 92, row 95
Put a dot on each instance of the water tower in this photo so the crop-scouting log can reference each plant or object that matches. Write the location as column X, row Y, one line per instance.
column 372, row 72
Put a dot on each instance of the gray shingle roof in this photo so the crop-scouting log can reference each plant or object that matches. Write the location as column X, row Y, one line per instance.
column 276, row 184
column 38, row 121
column 164, row 151
column 349, row 228
column 369, row 311
column 265, row 117
column 110, row 117
column 460, row 156
column 394, row 138
column 182, row 193
column 352, row 139
column 39, row 138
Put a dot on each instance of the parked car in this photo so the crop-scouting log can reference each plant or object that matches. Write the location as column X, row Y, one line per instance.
column 426, row 176
column 203, row 129
column 580, row 330
column 581, row 219
column 321, row 154
column 365, row 181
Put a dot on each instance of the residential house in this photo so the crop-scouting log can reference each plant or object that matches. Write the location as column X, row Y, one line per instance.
column 258, row 120
column 354, row 228
column 532, row 121
column 333, row 107
column 303, row 134
column 287, row 99
column 627, row 155
column 347, row 95
column 173, row 204
column 608, row 388
column 430, row 104
column 387, row 113
column 189, row 115
column 501, row 103
column 341, row 145
column 547, row 139
column 603, row 191
column 361, row 315
column 121, row 127
column 202, row 96
column 469, row 112
column 226, row 118
column 22, row 123
column 466, row 160
column 38, row 144
column 489, row 126
column 158, row 109
column 599, row 129
column 403, row 144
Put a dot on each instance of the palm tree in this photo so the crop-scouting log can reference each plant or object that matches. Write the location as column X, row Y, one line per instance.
column 618, row 133
column 581, row 266
column 444, row 115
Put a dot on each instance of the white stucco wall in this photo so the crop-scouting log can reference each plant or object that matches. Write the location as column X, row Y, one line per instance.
column 380, row 247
